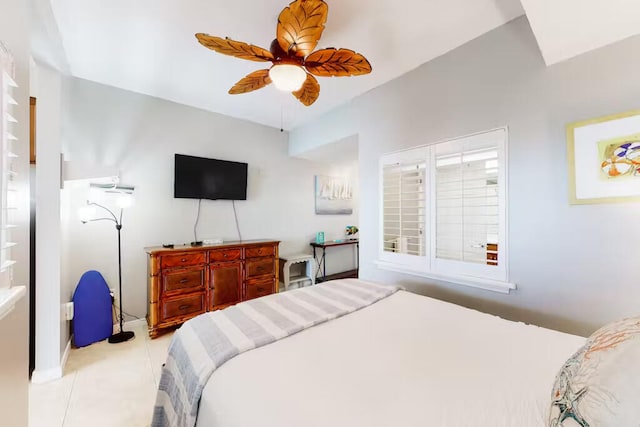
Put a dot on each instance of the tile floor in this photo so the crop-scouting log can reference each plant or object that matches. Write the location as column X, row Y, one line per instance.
column 105, row 385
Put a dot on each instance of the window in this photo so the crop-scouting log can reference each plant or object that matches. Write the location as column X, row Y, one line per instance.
column 443, row 210
column 8, row 125
column 404, row 206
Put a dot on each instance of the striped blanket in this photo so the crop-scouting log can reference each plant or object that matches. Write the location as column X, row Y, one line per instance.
column 204, row 343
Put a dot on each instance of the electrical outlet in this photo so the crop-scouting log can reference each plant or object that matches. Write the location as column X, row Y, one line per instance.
column 68, row 311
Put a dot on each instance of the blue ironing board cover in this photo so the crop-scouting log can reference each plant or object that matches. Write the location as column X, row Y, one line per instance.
column 92, row 319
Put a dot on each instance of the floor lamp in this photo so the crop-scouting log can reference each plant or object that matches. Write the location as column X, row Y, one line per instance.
column 86, row 216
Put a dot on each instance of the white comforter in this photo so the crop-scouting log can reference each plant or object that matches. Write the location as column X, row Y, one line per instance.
column 407, row 360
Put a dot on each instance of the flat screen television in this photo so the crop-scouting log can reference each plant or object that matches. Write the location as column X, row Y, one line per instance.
column 201, row 178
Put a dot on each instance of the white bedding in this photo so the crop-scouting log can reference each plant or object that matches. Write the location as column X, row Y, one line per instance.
column 407, row 360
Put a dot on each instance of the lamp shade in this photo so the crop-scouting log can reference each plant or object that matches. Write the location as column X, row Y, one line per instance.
column 287, row 77
column 124, row 200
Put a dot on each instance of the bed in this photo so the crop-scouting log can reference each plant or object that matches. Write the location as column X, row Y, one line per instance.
column 405, row 360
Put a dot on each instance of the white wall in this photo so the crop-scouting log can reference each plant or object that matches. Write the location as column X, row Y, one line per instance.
column 51, row 328
column 343, row 123
column 139, row 135
column 14, row 359
column 573, row 264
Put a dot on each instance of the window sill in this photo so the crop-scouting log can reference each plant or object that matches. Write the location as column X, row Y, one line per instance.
column 9, row 297
column 474, row 282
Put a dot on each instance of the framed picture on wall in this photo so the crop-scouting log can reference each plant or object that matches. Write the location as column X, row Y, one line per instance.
column 604, row 159
column 333, row 195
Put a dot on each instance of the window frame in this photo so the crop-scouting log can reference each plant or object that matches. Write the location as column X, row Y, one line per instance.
column 452, row 271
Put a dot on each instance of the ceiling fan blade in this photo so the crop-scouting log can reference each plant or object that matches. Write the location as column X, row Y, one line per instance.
column 233, row 48
column 300, row 26
column 253, row 81
column 309, row 92
column 337, row 63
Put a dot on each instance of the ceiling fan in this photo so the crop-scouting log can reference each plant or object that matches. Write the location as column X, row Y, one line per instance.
column 295, row 63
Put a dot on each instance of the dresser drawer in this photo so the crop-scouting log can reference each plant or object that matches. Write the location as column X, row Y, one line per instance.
column 176, row 308
column 222, row 255
column 258, row 288
column 260, row 267
column 183, row 259
column 183, row 280
column 261, row 251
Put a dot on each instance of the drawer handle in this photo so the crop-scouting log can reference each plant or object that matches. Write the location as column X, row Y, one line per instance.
column 183, row 260
column 184, row 307
column 259, row 251
column 184, row 280
column 260, row 289
column 225, row 255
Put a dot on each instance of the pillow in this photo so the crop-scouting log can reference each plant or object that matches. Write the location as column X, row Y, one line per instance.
column 599, row 386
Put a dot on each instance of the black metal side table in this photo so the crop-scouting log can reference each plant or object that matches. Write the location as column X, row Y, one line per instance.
column 320, row 257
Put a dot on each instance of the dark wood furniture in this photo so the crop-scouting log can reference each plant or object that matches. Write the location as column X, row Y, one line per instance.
column 321, row 273
column 492, row 254
column 186, row 281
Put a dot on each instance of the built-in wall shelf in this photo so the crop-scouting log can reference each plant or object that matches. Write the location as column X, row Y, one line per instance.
column 82, row 171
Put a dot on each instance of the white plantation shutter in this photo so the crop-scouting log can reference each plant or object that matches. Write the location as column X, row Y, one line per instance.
column 446, row 203
column 469, row 224
column 467, row 216
column 404, row 208
column 8, row 139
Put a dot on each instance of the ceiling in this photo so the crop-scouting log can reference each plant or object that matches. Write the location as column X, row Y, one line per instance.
column 568, row 28
column 148, row 46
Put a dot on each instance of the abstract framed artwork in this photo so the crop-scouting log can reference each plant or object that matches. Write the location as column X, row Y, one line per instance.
column 604, row 159
column 334, row 195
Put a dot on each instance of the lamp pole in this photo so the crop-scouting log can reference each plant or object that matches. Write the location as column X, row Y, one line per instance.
column 123, row 335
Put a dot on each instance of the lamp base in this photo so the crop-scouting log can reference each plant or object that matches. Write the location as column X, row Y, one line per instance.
column 121, row 337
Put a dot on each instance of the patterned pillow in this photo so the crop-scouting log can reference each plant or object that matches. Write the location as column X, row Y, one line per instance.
column 599, row 386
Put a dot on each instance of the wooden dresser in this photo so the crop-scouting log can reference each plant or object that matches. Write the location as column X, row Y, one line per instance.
column 185, row 281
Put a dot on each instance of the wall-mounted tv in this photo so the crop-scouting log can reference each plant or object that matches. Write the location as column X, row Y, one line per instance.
column 201, row 178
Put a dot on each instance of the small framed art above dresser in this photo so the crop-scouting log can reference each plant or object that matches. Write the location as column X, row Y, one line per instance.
column 185, row 281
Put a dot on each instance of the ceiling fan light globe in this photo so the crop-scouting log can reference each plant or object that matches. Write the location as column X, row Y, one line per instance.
column 287, row 77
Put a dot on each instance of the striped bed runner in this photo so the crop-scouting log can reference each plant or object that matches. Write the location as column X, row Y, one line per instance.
column 205, row 342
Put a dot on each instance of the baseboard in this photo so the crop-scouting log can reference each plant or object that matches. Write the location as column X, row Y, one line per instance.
column 46, row 375
column 136, row 322
column 65, row 355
